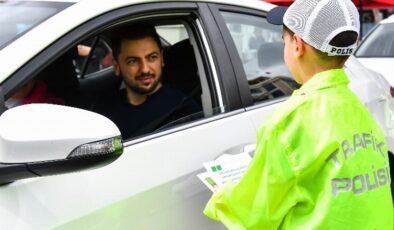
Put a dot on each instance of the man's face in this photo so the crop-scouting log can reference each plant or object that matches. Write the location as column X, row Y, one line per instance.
column 140, row 64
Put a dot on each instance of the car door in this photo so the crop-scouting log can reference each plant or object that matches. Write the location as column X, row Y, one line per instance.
column 256, row 49
column 153, row 185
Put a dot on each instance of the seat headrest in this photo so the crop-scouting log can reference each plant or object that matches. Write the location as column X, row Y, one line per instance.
column 181, row 55
column 180, row 68
column 60, row 76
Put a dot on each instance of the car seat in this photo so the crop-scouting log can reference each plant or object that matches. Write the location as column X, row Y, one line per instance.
column 180, row 70
column 61, row 77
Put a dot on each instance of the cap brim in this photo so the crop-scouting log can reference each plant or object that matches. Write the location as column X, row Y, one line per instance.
column 275, row 16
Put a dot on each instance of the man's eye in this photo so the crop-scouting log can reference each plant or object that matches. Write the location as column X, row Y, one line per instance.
column 131, row 62
column 153, row 57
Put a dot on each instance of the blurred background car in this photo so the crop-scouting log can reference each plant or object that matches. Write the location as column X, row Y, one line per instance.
column 376, row 50
column 376, row 97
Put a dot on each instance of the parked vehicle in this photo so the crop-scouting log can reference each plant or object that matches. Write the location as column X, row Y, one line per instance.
column 210, row 54
column 376, row 50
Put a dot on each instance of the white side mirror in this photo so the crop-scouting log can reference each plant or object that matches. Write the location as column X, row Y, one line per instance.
column 46, row 139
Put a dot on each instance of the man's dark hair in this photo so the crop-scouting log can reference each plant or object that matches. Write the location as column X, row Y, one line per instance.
column 132, row 32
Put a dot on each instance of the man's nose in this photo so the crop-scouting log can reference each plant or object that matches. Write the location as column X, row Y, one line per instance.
column 144, row 66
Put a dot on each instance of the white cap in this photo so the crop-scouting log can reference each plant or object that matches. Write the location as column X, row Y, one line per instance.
column 317, row 22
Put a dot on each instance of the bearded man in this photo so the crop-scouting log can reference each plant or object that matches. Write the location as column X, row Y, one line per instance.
column 145, row 103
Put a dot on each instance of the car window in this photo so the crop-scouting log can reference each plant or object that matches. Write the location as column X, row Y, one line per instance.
column 380, row 43
column 93, row 55
column 260, row 47
column 85, row 81
column 172, row 33
column 18, row 17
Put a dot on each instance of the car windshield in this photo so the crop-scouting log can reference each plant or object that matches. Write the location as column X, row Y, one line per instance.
column 380, row 43
column 18, row 17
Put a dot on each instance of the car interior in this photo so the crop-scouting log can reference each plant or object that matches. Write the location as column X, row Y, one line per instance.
column 180, row 70
column 68, row 80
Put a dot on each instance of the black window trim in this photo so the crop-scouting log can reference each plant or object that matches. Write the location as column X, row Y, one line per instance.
column 221, row 56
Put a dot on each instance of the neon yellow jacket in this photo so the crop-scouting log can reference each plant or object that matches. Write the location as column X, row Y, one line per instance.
column 320, row 163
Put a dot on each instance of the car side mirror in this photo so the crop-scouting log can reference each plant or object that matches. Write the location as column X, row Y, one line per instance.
column 45, row 139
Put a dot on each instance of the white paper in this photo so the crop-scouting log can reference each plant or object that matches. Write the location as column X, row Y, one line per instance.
column 225, row 168
column 207, row 179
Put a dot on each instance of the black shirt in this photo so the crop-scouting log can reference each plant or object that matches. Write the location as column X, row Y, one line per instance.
column 162, row 107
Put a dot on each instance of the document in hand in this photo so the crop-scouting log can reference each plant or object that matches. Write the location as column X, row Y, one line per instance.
column 226, row 167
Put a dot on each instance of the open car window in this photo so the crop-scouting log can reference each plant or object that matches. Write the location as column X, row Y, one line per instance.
column 85, row 81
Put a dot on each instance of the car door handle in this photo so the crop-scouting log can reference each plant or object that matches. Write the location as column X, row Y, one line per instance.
column 247, row 147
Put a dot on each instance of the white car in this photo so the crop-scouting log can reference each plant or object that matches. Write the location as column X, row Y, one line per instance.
column 210, row 55
column 376, row 50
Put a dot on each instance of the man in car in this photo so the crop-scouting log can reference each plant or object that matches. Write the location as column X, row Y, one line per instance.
column 321, row 160
column 145, row 104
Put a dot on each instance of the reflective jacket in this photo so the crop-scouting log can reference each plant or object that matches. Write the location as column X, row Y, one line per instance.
column 320, row 163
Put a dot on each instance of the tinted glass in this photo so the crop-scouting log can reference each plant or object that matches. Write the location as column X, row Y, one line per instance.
column 380, row 43
column 260, row 47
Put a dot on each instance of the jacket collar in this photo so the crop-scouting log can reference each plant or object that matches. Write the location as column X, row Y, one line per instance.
column 325, row 79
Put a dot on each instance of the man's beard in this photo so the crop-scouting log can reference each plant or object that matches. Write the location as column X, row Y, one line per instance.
column 140, row 90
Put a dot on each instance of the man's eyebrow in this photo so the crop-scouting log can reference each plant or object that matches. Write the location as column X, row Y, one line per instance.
column 136, row 57
column 131, row 57
column 150, row 54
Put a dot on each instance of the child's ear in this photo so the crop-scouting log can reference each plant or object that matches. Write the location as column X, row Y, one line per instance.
column 300, row 45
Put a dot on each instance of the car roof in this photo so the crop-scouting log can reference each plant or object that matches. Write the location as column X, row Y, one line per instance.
column 244, row 3
column 52, row 1
column 388, row 20
column 254, row 4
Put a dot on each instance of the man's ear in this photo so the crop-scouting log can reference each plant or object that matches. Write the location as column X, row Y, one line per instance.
column 300, row 45
column 116, row 67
